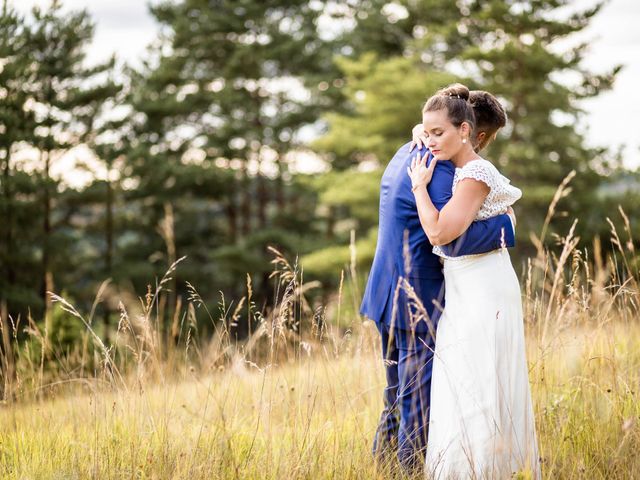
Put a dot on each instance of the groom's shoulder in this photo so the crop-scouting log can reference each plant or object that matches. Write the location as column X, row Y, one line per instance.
column 398, row 161
column 405, row 152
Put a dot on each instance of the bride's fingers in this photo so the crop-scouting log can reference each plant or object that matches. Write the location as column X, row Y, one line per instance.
column 432, row 165
column 409, row 172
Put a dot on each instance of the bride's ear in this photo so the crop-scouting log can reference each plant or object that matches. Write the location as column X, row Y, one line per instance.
column 465, row 130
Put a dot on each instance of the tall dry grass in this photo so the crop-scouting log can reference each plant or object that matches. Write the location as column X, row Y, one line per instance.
column 300, row 398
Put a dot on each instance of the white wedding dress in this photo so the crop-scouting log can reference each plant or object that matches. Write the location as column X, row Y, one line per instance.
column 481, row 419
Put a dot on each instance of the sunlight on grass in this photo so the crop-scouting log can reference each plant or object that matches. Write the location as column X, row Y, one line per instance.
column 300, row 397
column 315, row 418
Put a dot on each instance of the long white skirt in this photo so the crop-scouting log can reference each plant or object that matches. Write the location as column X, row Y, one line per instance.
column 481, row 422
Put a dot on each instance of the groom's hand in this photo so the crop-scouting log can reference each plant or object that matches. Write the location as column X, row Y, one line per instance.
column 512, row 215
column 418, row 137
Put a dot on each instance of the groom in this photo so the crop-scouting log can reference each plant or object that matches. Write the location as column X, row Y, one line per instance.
column 405, row 289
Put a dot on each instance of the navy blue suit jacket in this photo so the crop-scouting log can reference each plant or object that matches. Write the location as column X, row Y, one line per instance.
column 399, row 225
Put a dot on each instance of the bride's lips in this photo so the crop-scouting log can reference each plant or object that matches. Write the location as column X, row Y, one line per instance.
column 435, row 152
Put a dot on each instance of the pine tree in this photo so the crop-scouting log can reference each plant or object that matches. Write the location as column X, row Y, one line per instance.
column 103, row 136
column 236, row 82
column 16, row 189
column 16, row 124
column 244, row 62
column 66, row 96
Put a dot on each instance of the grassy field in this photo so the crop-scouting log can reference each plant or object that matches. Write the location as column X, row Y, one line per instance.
column 297, row 404
column 315, row 417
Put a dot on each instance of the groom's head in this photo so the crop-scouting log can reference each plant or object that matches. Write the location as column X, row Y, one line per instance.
column 490, row 117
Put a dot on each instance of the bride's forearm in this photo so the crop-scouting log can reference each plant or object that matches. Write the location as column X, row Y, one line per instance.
column 429, row 216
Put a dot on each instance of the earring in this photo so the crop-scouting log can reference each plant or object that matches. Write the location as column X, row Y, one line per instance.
column 464, row 140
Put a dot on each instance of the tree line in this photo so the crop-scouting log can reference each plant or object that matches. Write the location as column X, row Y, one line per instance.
column 200, row 151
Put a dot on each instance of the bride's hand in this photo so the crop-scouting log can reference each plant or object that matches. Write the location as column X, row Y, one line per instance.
column 418, row 137
column 419, row 173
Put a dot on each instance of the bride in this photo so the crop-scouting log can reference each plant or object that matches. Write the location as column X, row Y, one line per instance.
column 481, row 420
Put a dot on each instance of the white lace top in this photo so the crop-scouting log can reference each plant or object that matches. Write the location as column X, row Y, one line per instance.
column 501, row 193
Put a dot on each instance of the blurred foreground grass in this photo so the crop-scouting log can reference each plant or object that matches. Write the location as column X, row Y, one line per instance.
column 315, row 417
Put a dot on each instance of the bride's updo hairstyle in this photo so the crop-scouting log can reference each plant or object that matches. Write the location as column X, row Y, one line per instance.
column 455, row 99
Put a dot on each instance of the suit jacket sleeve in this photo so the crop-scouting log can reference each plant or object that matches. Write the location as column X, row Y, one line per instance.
column 482, row 236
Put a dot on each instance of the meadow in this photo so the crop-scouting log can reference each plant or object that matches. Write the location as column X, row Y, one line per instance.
column 299, row 399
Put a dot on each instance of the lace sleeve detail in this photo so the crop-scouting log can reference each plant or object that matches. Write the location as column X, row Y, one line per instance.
column 480, row 170
column 501, row 193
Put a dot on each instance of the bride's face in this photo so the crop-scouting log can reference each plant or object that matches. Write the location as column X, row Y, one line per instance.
column 445, row 139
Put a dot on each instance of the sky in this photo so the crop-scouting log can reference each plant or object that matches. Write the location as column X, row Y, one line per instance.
column 126, row 27
column 615, row 39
